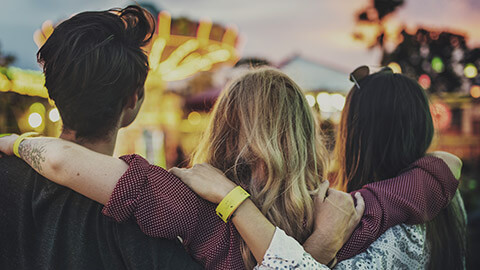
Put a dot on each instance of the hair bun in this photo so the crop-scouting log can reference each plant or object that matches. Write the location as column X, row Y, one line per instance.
column 139, row 25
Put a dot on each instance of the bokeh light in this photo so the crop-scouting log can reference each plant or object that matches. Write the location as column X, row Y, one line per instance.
column 35, row 120
column 395, row 67
column 37, row 107
column 324, row 102
column 475, row 91
column 425, row 81
column 310, row 99
column 194, row 118
column 470, row 71
column 338, row 101
column 54, row 115
column 437, row 64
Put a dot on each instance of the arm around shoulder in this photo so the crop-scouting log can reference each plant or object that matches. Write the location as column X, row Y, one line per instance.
column 85, row 171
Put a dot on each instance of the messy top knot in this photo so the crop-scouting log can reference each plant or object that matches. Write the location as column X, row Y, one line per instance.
column 92, row 63
column 139, row 25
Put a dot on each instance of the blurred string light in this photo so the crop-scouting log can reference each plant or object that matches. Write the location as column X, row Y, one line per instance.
column 475, row 91
column 424, row 81
column 324, row 102
column 310, row 99
column 35, row 120
column 338, row 101
column 470, row 71
column 395, row 67
column 330, row 102
column 437, row 64
column 191, row 54
column 54, row 115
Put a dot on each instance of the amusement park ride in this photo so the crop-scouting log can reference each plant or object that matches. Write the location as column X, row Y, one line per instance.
column 179, row 49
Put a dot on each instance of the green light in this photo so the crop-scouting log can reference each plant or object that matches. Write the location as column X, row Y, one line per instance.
column 472, row 184
column 437, row 64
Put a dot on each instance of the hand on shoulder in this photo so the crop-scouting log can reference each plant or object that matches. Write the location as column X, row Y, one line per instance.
column 453, row 162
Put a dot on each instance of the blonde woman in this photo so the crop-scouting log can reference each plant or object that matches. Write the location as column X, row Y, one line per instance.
column 262, row 136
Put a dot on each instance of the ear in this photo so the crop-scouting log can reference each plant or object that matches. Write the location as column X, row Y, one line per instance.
column 132, row 101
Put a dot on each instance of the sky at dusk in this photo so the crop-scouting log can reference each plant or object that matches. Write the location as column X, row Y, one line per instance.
column 271, row 29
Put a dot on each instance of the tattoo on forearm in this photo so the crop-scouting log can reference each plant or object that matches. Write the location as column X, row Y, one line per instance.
column 32, row 153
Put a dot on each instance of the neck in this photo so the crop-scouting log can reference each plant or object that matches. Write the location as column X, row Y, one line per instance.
column 103, row 146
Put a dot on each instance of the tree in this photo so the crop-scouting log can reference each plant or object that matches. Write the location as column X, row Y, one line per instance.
column 440, row 60
column 5, row 59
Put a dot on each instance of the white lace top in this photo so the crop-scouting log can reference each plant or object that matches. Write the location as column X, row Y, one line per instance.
column 400, row 247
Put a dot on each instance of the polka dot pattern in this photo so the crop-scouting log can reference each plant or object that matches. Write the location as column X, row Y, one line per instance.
column 165, row 207
column 414, row 197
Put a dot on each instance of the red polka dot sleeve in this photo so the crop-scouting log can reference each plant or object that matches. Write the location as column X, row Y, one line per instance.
column 163, row 206
column 414, row 197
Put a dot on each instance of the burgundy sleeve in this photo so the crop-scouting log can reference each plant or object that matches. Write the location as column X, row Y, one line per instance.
column 162, row 205
column 414, row 197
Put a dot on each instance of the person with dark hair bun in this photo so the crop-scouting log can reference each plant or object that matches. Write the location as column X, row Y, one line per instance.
column 95, row 70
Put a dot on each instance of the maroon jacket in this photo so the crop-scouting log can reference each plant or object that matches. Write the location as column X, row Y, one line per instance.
column 163, row 206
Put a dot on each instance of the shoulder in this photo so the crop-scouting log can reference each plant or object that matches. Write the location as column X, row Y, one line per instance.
column 12, row 165
column 146, row 252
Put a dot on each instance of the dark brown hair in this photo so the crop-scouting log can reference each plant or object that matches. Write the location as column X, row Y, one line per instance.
column 92, row 63
column 385, row 126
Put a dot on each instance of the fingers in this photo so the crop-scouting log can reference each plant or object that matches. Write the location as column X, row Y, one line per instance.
column 180, row 173
column 360, row 208
column 322, row 191
column 342, row 201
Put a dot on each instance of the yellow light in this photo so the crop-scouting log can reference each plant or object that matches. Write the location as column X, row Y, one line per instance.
column 395, row 67
column 338, row 101
column 27, row 82
column 194, row 118
column 324, row 102
column 203, row 31
column 5, row 84
column 47, row 28
column 310, row 99
column 475, row 91
column 35, row 120
column 156, row 53
column 37, row 107
column 470, row 71
column 219, row 56
column 230, row 36
column 164, row 23
column 54, row 115
column 177, row 55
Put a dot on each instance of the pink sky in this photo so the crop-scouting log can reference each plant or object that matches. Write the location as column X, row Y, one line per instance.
column 273, row 29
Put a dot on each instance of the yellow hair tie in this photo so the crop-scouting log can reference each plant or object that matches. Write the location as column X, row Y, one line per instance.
column 20, row 138
column 231, row 202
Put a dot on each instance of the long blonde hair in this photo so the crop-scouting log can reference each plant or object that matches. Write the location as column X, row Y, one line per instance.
column 264, row 137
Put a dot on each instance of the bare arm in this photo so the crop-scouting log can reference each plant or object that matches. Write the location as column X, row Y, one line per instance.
column 338, row 214
column 68, row 164
column 210, row 184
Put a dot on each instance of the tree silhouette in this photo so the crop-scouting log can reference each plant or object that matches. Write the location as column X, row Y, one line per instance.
column 5, row 59
column 436, row 58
